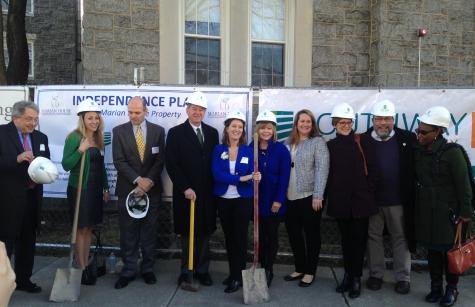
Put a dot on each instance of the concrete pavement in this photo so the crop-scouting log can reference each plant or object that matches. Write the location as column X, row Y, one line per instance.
column 166, row 293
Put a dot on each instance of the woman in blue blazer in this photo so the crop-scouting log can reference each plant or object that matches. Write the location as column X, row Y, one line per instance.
column 274, row 168
column 232, row 167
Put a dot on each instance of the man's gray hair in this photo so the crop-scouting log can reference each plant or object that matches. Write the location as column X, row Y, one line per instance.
column 20, row 107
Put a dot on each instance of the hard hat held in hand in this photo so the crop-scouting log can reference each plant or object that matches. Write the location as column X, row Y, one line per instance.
column 137, row 206
column 88, row 105
column 42, row 171
column 266, row 116
column 343, row 110
column 383, row 108
column 198, row 99
column 235, row 115
column 436, row 116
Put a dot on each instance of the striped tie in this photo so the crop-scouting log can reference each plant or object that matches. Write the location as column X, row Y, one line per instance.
column 140, row 143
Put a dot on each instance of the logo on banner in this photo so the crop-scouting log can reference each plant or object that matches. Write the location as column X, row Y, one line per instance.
column 223, row 108
column 56, row 108
column 107, row 138
column 284, row 124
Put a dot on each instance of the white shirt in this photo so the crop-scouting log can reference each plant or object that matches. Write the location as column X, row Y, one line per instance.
column 232, row 191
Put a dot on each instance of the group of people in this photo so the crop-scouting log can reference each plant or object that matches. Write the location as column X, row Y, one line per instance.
column 384, row 179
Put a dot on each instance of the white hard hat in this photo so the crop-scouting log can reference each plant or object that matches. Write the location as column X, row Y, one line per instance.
column 266, row 116
column 236, row 115
column 197, row 98
column 436, row 116
column 88, row 105
column 343, row 110
column 137, row 206
column 383, row 108
column 42, row 170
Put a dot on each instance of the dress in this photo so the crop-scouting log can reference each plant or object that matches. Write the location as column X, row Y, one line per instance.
column 91, row 205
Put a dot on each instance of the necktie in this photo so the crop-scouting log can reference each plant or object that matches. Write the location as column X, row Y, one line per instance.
column 200, row 136
column 26, row 147
column 140, row 143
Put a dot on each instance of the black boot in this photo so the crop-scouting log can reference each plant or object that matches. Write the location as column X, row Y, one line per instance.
column 435, row 270
column 87, row 278
column 344, row 285
column 355, row 287
column 435, row 293
column 450, row 296
column 269, row 277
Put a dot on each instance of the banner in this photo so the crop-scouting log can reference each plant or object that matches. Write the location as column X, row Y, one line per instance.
column 166, row 107
column 8, row 96
column 410, row 103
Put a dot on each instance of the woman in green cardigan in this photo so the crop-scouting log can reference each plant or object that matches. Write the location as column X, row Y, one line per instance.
column 86, row 139
column 443, row 198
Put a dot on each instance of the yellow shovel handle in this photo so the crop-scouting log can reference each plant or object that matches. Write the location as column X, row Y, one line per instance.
column 192, row 236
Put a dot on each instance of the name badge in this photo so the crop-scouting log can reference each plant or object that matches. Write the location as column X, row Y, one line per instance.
column 154, row 150
column 42, row 147
column 244, row 160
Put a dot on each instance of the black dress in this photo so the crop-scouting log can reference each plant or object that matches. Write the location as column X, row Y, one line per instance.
column 91, row 205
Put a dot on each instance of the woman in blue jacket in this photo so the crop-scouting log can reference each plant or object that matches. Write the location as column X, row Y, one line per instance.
column 274, row 167
column 232, row 167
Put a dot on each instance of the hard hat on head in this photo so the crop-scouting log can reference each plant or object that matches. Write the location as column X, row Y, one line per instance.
column 198, row 99
column 235, row 115
column 436, row 116
column 42, row 170
column 266, row 116
column 343, row 110
column 88, row 105
column 383, row 108
column 137, row 206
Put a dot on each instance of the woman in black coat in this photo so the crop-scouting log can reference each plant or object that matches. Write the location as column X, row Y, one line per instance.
column 350, row 194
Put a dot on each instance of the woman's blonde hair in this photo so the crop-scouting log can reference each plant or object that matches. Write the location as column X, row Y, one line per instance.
column 261, row 125
column 98, row 134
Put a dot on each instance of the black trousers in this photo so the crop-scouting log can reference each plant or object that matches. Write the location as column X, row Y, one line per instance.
column 23, row 246
column 201, row 255
column 438, row 264
column 135, row 235
column 268, row 240
column 235, row 215
column 354, row 235
column 303, row 227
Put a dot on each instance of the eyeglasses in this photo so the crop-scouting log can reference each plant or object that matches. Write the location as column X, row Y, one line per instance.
column 423, row 132
column 345, row 123
column 384, row 118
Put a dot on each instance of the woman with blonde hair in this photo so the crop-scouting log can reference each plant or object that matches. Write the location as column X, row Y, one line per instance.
column 86, row 140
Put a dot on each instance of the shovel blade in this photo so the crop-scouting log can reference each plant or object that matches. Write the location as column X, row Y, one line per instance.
column 254, row 286
column 67, row 285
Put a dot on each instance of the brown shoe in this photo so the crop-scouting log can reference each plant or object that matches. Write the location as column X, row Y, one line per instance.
column 374, row 283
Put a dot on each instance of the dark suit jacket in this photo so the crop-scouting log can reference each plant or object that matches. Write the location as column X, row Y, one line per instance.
column 189, row 166
column 14, row 179
column 127, row 160
column 406, row 141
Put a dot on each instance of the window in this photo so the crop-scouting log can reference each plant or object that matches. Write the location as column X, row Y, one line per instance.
column 267, row 42
column 31, row 55
column 29, row 7
column 202, row 42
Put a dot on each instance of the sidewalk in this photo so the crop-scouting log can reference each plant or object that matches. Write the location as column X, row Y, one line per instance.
column 166, row 293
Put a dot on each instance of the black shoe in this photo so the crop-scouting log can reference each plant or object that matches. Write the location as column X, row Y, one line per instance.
column 402, row 287
column 227, row 280
column 304, row 284
column 292, row 278
column 29, row 287
column 233, row 286
column 87, row 279
column 123, row 281
column 269, row 277
column 204, row 279
column 149, row 278
column 344, row 285
column 355, row 287
column 434, row 295
column 184, row 277
column 374, row 283
column 450, row 297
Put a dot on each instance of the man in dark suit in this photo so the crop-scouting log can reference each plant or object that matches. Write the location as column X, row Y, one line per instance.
column 138, row 149
column 394, row 196
column 189, row 150
column 20, row 198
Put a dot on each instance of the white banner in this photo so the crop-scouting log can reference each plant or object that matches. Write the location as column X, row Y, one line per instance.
column 165, row 105
column 409, row 105
column 8, row 96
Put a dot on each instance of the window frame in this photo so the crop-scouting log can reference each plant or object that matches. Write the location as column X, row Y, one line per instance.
column 30, row 12
column 30, row 41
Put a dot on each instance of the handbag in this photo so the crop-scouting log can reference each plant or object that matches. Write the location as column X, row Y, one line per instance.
column 462, row 256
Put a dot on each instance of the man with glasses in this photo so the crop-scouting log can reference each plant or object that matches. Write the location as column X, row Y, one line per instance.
column 394, row 197
column 20, row 197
